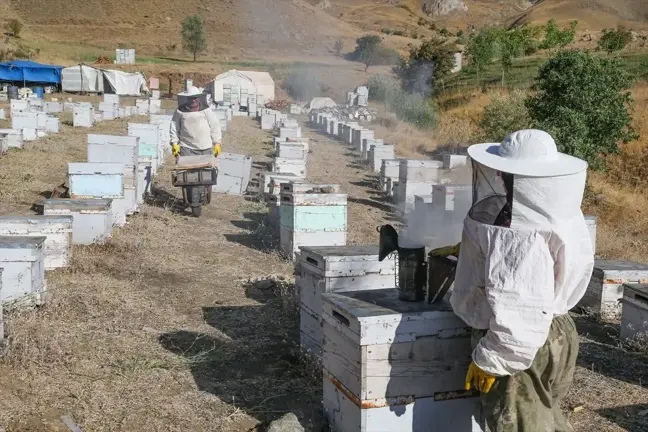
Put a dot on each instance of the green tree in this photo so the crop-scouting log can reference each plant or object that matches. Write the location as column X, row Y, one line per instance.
column 14, row 27
column 555, row 37
column 370, row 51
column 193, row 35
column 427, row 67
column 585, row 103
column 614, row 39
column 516, row 43
column 503, row 115
column 482, row 49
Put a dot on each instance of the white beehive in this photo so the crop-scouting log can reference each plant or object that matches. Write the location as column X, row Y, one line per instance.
column 23, row 276
column 52, row 125
column 100, row 181
column 56, row 229
column 399, row 366
column 378, row 153
column 4, row 144
column 390, row 168
column 289, row 150
column 18, row 105
column 311, row 219
column 267, row 121
column 285, row 132
column 234, row 172
column 268, row 176
column 24, row 120
column 453, row 198
column 149, row 142
column 83, row 116
column 451, row 161
column 290, row 166
column 606, row 286
column 3, row 115
column 29, row 134
column 634, row 318
column 155, row 106
column 321, row 270
column 142, row 106
column 91, row 219
column 13, row 137
column 112, row 99
column 359, row 136
column 53, row 107
column 416, row 177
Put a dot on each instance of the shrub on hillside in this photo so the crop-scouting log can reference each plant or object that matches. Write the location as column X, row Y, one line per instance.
column 614, row 39
column 427, row 66
column 503, row 115
column 585, row 103
column 14, row 27
column 555, row 37
column 371, row 52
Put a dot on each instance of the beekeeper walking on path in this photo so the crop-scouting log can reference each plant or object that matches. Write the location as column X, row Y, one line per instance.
column 526, row 259
column 195, row 129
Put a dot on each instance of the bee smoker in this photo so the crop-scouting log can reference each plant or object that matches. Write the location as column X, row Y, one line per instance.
column 414, row 273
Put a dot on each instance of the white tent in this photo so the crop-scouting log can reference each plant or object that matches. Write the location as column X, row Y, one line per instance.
column 82, row 79
column 233, row 78
column 321, row 102
column 124, row 83
column 264, row 83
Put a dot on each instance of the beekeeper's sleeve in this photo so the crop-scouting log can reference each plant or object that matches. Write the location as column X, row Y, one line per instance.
column 520, row 290
column 214, row 126
column 174, row 128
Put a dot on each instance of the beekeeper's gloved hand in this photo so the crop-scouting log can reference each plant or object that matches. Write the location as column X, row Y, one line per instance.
column 446, row 251
column 175, row 149
column 217, row 149
column 479, row 379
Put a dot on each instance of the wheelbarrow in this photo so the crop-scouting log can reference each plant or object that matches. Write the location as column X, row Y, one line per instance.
column 196, row 175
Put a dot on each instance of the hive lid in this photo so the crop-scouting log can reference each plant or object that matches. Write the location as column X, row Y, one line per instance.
column 104, row 168
column 78, row 204
column 616, row 269
column 35, row 219
column 20, row 242
column 341, row 252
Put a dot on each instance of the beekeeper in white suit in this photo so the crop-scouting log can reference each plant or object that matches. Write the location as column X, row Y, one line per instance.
column 195, row 129
column 526, row 259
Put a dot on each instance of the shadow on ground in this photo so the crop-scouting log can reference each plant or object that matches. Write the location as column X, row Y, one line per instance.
column 601, row 352
column 256, row 366
column 632, row 418
column 260, row 236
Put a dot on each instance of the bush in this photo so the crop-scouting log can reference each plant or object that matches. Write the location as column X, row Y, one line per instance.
column 503, row 115
column 370, row 52
column 557, row 38
column 193, row 35
column 427, row 67
column 584, row 102
column 482, row 48
column 14, row 27
column 614, row 40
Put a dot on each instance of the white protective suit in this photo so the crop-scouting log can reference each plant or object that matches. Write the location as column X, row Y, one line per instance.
column 513, row 281
column 195, row 130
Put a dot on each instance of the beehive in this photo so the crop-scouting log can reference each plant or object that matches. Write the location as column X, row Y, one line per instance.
column 389, row 168
column 634, row 318
column 83, row 116
column 267, row 121
column 453, row 198
column 290, row 166
column 312, row 219
column 285, row 132
column 91, row 219
column 12, row 137
column 416, row 177
column 149, row 142
column 359, row 137
column 233, row 173
column 606, row 286
column 289, row 150
column 335, row 269
column 395, row 366
column 23, row 276
column 451, row 161
column 56, row 229
column 378, row 153
column 268, row 176
column 100, row 181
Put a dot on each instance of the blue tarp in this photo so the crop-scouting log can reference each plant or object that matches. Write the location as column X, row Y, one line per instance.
column 29, row 71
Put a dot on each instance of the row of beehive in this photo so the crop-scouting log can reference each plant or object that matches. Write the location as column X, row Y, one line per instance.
column 304, row 214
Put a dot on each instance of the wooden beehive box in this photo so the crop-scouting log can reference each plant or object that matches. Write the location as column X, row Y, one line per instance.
column 91, row 219
column 634, row 317
column 312, row 219
column 325, row 269
column 100, row 181
column 606, row 286
column 393, row 365
column 149, row 141
column 389, row 169
column 290, row 166
column 288, row 150
column 57, row 231
column 23, row 277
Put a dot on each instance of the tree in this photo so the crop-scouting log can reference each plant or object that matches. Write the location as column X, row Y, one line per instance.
column 427, row 67
column 557, row 38
column 585, row 103
column 338, row 47
column 14, row 27
column 516, row 43
column 614, row 39
column 482, row 48
column 504, row 115
column 193, row 35
column 370, row 51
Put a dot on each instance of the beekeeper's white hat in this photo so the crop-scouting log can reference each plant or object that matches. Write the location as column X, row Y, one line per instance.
column 528, row 152
column 191, row 91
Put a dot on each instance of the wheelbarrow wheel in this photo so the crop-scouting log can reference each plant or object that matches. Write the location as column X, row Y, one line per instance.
column 196, row 211
column 208, row 195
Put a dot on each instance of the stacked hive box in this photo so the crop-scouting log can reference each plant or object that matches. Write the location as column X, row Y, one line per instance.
column 379, row 152
column 121, row 150
column 273, row 195
column 83, row 116
column 606, row 286
column 100, row 181
column 389, row 171
column 395, row 366
column 23, row 275
column 12, row 138
column 57, row 231
column 416, row 177
column 149, row 142
column 310, row 217
column 91, row 219
column 321, row 270
column 233, row 173
column 292, row 150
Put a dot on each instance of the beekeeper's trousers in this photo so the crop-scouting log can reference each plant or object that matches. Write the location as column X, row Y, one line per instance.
column 529, row 401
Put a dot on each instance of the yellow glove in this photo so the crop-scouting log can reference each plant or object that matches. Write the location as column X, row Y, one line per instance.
column 175, row 149
column 447, row 251
column 479, row 379
column 217, row 149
